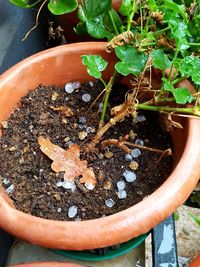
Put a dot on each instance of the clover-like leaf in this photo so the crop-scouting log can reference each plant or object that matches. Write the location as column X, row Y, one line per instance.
column 160, row 59
column 132, row 61
column 125, row 7
column 96, row 28
column 94, row 8
column 181, row 94
column 190, row 66
column 60, row 7
column 176, row 8
column 95, row 65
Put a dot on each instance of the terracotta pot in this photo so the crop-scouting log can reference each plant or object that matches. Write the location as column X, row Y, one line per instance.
column 58, row 66
column 195, row 262
column 46, row 264
column 69, row 21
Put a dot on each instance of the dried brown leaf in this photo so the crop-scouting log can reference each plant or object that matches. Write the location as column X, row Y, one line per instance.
column 67, row 161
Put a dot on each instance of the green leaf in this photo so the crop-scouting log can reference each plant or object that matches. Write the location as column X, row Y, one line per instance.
column 177, row 9
column 160, row 59
column 152, row 5
column 94, row 8
column 116, row 18
column 96, row 28
column 125, row 7
column 180, row 32
column 95, row 65
column 132, row 61
column 60, row 7
column 190, row 66
column 20, row 3
column 181, row 95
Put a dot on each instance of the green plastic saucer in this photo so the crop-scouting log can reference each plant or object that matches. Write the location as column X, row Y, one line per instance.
column 86, row 255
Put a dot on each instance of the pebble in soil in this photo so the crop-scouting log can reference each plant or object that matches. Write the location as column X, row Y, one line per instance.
column 40, row 191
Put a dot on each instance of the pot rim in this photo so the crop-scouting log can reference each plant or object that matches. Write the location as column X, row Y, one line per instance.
column 123, row 225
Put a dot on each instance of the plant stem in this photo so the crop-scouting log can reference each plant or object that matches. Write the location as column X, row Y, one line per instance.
column 107, row 94
column 147, row 44
column 178, row 80
column 161, row 31
column 170, row 73
column 194, row 44
column 193, row 110
column 104, row 84
column 131, row 16
column 113, row 22
column 34, row 4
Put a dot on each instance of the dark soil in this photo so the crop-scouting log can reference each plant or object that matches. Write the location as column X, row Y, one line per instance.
column 29, row 170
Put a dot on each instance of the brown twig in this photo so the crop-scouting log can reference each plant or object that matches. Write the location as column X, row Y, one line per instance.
column 36, row 21
column 116, row 143
column 96, row 100
column 166, row 151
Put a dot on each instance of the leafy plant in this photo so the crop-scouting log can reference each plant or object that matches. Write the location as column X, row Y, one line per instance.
column 162, row 34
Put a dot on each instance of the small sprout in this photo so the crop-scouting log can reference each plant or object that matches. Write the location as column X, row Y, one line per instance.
column 108, row 154
column 135, row 153
column 122, row 194
column 129, row 176
column 121, row 185
column 86, row 97
column 109, row 202
column 6, row 181
column 72, row 211
column 10, row 189
column 82, row 135
column 133, row 165
column 139, row 142
column 128, row 157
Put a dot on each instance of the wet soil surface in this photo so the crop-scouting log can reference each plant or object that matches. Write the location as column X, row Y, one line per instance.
column 26, row 173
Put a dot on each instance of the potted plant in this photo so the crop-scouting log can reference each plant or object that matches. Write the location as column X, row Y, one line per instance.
column 143, row 40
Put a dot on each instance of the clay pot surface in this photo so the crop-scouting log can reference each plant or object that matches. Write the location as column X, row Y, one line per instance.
column 58, row 66
column 195, row 262
column 69, row 21
column 46, row 264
